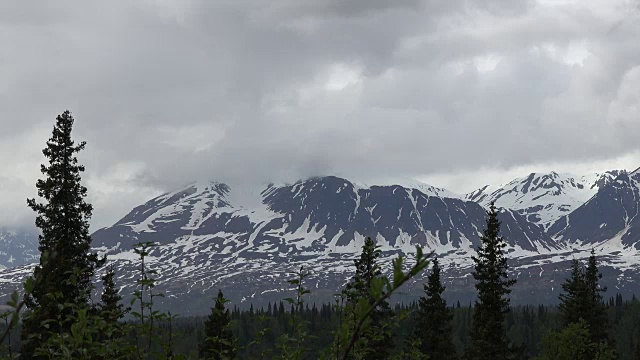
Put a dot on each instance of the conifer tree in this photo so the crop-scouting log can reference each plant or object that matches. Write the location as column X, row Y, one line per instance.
column 219, row 342
column 582, row 300
column 376, row 342
column 596, row 311
column 111, row 308
column 572, row 299
column 433, row 320
column 573, row 342
column 66, row 266
column 488, row 333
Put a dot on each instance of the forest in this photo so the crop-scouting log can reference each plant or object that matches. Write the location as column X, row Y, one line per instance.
column 58, row 315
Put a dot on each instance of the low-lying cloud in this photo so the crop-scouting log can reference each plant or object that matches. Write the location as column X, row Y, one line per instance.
column 168, row 92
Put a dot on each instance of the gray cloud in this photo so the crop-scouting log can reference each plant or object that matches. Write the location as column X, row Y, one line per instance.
column 167, row 92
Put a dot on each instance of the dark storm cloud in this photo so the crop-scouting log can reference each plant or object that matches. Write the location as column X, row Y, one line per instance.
column 170, row 91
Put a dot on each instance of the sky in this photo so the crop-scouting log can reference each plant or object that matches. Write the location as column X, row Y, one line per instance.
column 455, row 93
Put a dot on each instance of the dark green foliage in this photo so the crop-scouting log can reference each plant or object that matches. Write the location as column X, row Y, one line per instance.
column 595, row 309
column 573, row 342
column 527, row 325
column 66, row 267
column 110, row 307
column 292, row 345
column 433, row 320
column 488, row 333
column 582, row 303
column 572, row 298
column 218, row 342
column 111, row 311
column 582, row 299
column 376, row 342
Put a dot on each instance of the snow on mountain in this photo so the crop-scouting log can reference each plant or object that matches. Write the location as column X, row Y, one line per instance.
column 18, row 247
column 327, row 205
column 242, row 237
column 611, row 216
column 248, row 238
column 407, row 183
column 543, row 197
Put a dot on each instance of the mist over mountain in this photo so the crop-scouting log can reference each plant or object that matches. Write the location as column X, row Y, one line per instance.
column 247, row 239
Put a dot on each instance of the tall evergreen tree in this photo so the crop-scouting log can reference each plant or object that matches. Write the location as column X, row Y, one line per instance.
column 376, row 342
column 582, row 300
column 595, row 310
column 488, row 333
column 433, row 320
column 111, row 308
column 66, row 266
column 572, row 299
column 219, row 342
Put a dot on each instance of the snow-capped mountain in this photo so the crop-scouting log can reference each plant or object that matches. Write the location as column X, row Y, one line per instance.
column 247, row 239
column 544, row 197
column 18, row 247
column 319, row 215
column 611, row 216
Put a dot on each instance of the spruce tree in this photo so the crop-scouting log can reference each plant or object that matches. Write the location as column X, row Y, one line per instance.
column 376, row 342
column 596, row 311
column 582, row 300
column 110, row 307
column 433, row 320
column 63, row 275
column 219, row 342
column 488, row 333
column 572, row 299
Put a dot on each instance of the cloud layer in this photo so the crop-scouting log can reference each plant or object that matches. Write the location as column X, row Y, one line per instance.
column 166, row 92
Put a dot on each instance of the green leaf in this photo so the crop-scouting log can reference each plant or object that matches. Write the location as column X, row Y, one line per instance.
column 29, row 285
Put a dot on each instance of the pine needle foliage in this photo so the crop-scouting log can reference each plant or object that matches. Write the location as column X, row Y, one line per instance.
column 433, row 320
column 376, row 342
column 66, row 265
column 488, row 332
column 219, row 342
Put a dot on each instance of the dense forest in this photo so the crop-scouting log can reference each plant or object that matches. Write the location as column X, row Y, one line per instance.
column 55, row 315
column 526, row 326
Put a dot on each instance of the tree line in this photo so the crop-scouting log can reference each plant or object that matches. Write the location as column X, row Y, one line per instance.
column 60, row 320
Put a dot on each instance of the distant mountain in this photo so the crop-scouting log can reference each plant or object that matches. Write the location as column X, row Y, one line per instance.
column 247, row 239
column 610, row 218
column 18, row 247
column 250, row 238
column 543, row 198
column 329, row 212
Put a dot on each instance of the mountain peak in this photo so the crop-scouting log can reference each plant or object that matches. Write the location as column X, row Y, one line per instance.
column 543, row 197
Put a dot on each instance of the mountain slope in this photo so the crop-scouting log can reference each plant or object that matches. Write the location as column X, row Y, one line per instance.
column 248, row 239
column 330, row 212
column 609, row 216
column 544, row 197
column 18, row 247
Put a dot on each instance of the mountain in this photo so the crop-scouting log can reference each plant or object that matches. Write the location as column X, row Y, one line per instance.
column 212, row 233
column 543, row 198
column 329, row 212
column 248, row 238
column 18, row 247
column 611, row 216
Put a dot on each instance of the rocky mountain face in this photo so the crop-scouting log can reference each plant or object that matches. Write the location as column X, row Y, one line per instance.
column 18, row 247
column 610, row 218
column 249, row 239
column 543, row 198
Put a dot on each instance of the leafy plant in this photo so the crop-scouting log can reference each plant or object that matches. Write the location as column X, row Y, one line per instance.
column 292, row 347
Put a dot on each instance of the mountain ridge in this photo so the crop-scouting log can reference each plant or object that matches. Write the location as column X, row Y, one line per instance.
column 248, row 238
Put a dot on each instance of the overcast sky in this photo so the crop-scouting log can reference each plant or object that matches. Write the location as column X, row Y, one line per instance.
column 457, row 93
